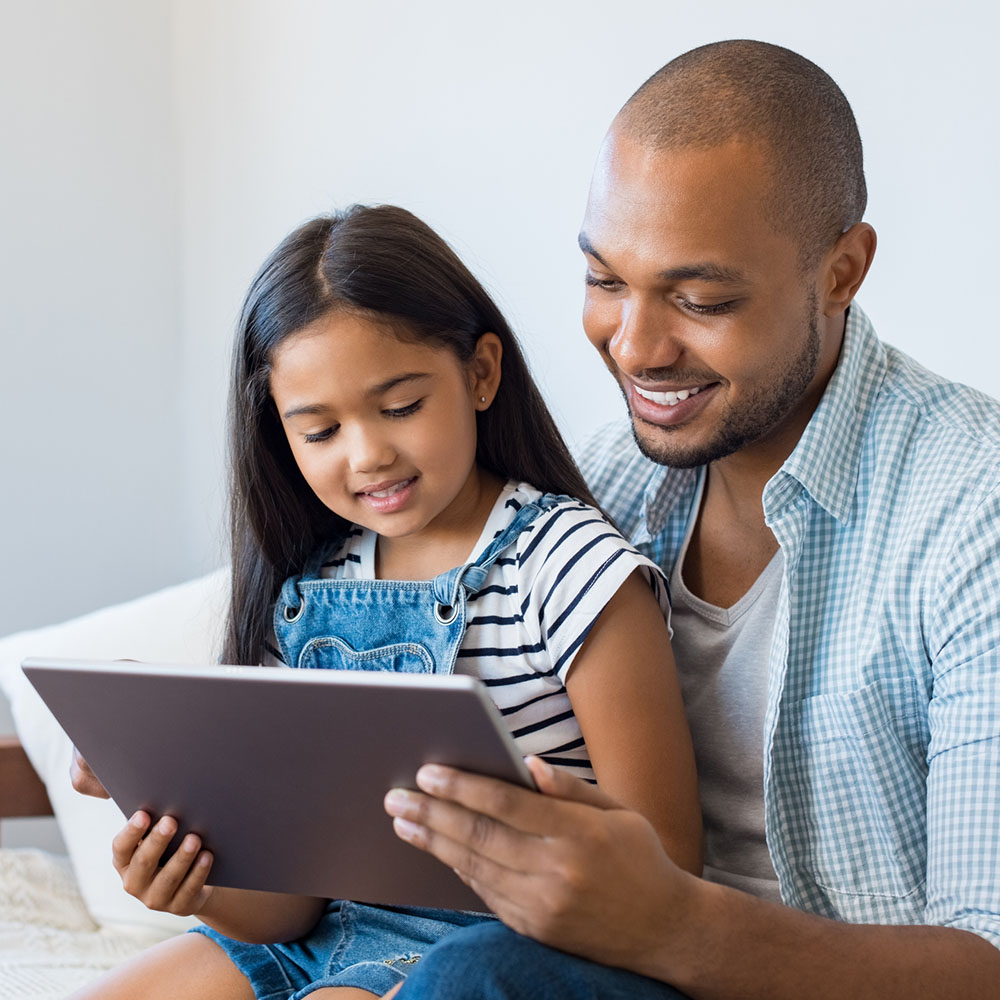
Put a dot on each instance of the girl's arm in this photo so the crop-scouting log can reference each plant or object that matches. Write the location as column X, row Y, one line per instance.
column 179, row 886
column 626, row 696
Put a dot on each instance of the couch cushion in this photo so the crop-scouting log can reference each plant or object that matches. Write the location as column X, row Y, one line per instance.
column 181, row 624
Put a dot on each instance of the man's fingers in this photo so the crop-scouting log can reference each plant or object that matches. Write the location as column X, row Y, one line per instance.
column 480, row 834
column 494, row 882
column 560, row 785
column 519, row 808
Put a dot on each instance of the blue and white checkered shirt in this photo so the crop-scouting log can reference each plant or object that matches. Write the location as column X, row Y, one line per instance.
column 881, row 741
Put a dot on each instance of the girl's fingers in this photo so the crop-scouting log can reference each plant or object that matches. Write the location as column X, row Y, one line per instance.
column 191, row 894
column 162, row 888
column 137, row 852
column 126, row 841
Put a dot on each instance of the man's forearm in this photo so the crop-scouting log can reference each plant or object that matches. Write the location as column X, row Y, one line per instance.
column 733, row 945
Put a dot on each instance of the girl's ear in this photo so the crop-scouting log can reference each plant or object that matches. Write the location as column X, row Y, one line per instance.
column 484, row 370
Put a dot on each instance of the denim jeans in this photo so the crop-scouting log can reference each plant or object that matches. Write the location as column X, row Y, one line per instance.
column 491, row 962
column 368, row 947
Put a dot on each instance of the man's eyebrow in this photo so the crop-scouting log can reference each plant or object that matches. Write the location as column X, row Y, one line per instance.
column 703, row 272
column 311, row 409
column 691, row 272
column 588, row 248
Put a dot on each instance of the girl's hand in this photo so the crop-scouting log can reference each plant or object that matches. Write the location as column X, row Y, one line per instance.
column 83, row 779
column 179, row 886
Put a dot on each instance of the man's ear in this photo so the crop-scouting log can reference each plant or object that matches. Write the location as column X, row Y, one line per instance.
column 845, row 267
column 485, row 370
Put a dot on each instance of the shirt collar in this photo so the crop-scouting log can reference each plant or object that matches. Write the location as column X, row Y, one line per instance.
column 826, row 460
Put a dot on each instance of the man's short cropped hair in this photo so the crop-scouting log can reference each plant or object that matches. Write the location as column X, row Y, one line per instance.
column 761, row 93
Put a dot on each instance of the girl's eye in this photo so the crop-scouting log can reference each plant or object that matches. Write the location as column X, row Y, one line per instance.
column 320, row 435
column 404, row 411
column 717, row 309
column 608, row 284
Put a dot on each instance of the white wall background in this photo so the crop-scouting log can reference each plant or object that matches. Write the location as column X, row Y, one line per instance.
column 153, row 152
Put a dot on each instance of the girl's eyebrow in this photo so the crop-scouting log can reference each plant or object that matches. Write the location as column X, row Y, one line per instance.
column 391, row 383
column 311, row 409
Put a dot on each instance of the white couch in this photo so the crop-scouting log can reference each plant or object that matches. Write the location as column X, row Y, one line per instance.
column 64, row 920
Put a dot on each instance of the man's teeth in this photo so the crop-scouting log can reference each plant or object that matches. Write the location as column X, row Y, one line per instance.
column 390, row 490
column 668, row 398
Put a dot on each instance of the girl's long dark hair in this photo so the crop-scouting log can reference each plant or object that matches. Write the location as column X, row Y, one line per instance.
column 384, row 262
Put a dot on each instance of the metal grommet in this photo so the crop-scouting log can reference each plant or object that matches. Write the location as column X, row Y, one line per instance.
column 295, row 613
column 445, row 613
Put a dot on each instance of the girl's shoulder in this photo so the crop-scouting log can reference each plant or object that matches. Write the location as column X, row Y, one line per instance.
column 570, row 560
column 564, row 525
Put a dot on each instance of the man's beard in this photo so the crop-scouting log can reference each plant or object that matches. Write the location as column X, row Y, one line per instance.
column 756, row 417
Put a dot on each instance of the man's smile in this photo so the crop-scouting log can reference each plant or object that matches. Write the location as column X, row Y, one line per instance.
column 668, row 398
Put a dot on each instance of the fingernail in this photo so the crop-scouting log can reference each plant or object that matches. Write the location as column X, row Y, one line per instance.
column 406, row 830
column 431, row 778
column 398, row 801
column 540, row 765
column 165, row 826
column 137, row 820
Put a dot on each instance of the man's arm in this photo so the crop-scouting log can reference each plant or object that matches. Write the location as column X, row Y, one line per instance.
column 572, row 869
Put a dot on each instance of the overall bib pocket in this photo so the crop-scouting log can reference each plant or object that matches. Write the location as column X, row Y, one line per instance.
column 332, row 653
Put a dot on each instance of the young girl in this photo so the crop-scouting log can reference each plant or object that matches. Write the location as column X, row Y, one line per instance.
column 384, row 431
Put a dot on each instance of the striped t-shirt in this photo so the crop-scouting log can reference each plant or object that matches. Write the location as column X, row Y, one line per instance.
column 538, row 603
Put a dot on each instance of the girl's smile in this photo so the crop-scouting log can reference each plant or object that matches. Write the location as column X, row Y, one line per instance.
column 389, row 497
column 383, row 429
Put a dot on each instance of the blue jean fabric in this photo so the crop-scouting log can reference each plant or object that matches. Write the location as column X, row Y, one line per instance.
column 491, row 962
column 368, row 947
column 408, row 626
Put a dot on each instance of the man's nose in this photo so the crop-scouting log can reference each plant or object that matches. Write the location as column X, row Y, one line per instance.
column 645, row 339
column 370, row 450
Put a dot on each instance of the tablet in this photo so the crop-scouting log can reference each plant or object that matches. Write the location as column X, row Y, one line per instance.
column 282, row 772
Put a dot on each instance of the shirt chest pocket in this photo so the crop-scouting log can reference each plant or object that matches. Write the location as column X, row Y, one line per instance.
column 861, row 788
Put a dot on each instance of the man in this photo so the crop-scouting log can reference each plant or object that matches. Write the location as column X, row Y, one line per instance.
column 829, row 516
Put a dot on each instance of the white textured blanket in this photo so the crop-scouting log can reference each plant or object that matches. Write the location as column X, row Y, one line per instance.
column 49, row 944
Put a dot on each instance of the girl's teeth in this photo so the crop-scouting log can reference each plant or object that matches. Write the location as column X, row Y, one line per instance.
column 391, row 490
column 668, row 398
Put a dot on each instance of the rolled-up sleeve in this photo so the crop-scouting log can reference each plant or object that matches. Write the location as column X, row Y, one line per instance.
column 963, row 785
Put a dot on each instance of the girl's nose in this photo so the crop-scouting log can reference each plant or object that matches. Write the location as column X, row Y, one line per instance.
column 370, row 451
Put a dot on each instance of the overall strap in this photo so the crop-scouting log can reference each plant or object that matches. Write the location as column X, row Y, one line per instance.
column 313, row 570
column 472, row 575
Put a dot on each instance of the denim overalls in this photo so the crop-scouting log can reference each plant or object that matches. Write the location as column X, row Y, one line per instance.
column 406, row 626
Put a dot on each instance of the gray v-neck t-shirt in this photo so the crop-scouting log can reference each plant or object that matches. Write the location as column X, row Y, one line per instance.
column 722, row 656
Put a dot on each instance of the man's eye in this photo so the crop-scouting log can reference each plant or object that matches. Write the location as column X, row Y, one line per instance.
column 320, row 435
column 608, row 284
column 404, row 411
column 717, row 309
